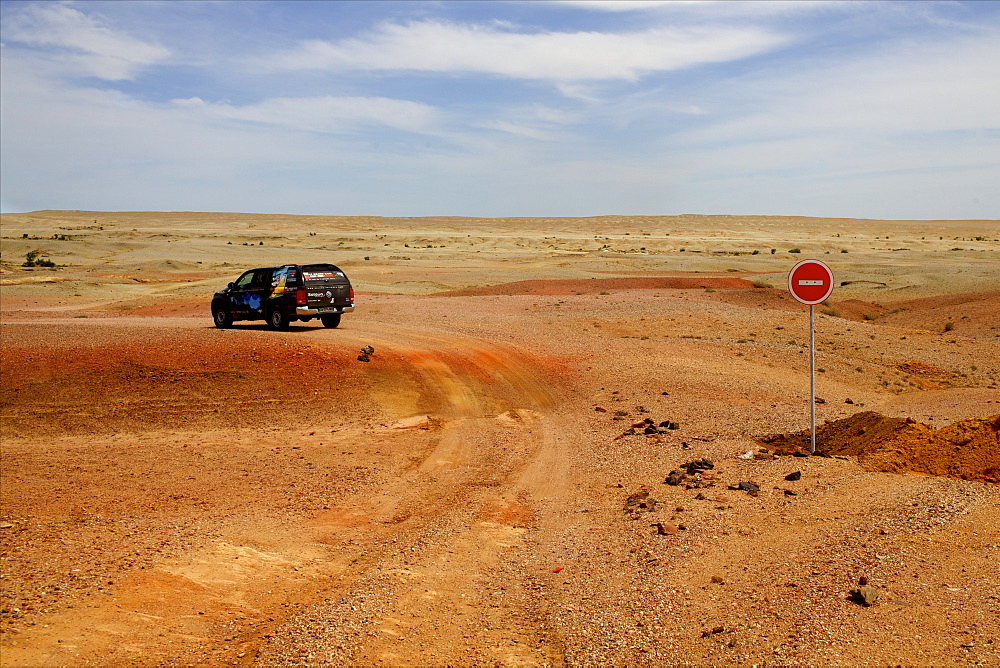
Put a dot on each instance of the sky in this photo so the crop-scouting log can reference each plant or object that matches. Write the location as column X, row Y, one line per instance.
column 884, row 110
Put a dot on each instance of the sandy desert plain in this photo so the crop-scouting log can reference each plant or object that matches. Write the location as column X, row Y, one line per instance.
column 177, row 494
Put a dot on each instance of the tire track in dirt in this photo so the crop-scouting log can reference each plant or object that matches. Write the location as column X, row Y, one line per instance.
column 447, row 529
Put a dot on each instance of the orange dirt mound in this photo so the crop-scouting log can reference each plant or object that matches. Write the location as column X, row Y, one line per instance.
column 969, row 449
column 572, row 286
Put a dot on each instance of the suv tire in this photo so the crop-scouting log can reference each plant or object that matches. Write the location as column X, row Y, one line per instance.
column 331, row 320
column 223, row 319
column 277, row 319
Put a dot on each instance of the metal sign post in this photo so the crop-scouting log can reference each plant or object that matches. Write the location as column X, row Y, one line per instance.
column 811, row 282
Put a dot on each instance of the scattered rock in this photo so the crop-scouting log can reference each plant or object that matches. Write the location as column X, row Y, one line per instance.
column 746, row 455
column 665, row 528
column 600, row 409
column 718, row 580
column 696, row 465
column 820, row 400
column 746, row 487
column 794, row 476
column 848, row 401
column 865, row 595
column 641, row 502
column 674, row 478
column 789, row 492
column 363, row 358
column 368, row 350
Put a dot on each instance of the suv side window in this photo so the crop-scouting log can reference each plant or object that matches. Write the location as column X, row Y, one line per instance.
column 261, row 278
column 243, row 281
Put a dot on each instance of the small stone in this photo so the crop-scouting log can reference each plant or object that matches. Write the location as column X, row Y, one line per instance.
column 794, row 476
column 848, row 401
column 718, row 580
column 665, row 528
column 674, row 478
column 367, row 350
column 363, row 358
column 866, row 595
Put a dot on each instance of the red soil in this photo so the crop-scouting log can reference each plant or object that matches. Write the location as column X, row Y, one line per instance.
column 592, row 285
column 968, row 449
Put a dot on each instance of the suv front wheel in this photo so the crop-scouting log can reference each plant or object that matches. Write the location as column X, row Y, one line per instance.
column 222, row 317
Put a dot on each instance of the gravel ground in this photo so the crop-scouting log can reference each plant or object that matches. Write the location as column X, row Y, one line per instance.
column 179, row 495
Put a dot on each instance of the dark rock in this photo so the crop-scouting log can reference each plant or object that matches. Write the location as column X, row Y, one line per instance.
column 368, row 350
column 650, row 429
column 698, row 465
column 701, row 496
column 862, row 581
column 363, row 358
column 848, row 401
column 789, row 492
column 621, row 413
column 746, row 487
column 820, row 400
column 599, row 409
column 794, row 476
column 674, row 478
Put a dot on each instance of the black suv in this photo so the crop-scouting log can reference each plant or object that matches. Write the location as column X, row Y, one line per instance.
column 282, row 294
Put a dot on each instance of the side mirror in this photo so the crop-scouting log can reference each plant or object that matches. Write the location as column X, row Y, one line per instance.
column 231, row 285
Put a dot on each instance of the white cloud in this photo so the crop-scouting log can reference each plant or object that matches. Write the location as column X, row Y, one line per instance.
column 558, row 56
column 89, row 48
column 911, row 88
column 324, row 114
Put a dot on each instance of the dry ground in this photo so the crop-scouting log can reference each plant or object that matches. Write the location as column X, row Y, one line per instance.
column 173, row 494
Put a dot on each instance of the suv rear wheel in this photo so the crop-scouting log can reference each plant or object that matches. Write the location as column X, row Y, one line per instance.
column 331, row 320
column 277, row 319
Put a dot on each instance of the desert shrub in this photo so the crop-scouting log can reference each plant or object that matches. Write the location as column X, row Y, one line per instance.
column 843, row 250
column 759, row 283
column 868, row 316
column 795, row 250
column 773, row 251
column 948, row 326
column 755, row 252
column 31, row 259
column 832, row 312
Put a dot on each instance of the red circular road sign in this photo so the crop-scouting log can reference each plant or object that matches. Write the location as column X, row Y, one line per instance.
column 810, row 281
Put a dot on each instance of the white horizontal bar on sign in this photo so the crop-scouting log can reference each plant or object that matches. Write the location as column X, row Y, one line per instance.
column 809, row 281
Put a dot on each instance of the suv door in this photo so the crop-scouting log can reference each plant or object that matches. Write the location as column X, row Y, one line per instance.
column 249, row 293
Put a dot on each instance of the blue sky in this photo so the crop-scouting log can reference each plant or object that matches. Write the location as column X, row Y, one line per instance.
column 858, row 109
